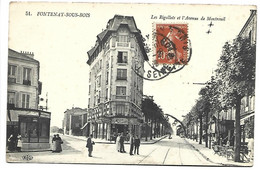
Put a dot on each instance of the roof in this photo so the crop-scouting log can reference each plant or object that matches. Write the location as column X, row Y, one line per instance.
column 112, row 26
column 76, row 111
column 253, row 13
column 15, row 54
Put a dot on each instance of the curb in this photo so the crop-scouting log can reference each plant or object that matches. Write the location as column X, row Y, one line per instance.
column 204, row 156
column 208, row 159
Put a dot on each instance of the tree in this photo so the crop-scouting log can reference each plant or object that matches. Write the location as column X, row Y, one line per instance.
column 154, row 114
column 236, row 74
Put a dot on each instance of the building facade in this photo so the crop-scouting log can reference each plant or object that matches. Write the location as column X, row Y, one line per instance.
column 115, row 90
column 248, row 101
column 24, row 88
column 75, row 122
column 226, row 123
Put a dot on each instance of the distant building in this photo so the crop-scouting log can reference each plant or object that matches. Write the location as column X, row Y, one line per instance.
column 75, row 122
column 115, row 90
column 24, row 88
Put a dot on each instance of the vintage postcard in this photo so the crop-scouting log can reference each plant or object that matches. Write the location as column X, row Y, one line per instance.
column 146, row 84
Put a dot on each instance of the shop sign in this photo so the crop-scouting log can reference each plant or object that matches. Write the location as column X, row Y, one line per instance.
column 119, row 121
column 45, row 115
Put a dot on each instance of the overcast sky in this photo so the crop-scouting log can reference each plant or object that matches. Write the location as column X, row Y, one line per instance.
column 61, row 45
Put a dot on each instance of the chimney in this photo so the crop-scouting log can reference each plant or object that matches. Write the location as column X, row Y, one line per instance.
column 27, row 53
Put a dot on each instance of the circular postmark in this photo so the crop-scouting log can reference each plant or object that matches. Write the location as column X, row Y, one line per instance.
column 171, row 51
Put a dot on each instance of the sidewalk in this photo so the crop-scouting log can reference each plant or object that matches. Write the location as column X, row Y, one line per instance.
column 96, row 140
column 214, row 158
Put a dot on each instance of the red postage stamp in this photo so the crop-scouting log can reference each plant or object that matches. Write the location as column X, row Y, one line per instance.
column 171, row 46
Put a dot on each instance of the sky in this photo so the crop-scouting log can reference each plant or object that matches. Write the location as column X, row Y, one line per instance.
column 60, row 44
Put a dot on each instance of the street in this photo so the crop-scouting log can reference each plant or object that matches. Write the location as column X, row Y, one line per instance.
column 175, row 151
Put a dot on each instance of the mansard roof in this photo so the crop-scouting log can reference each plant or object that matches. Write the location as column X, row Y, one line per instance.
column 112, row 26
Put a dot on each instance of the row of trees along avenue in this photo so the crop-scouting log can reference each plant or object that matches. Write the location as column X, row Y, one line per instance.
column 234, row 78
column 156, row 123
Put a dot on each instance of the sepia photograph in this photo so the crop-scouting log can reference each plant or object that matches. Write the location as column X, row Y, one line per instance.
column 110, row 83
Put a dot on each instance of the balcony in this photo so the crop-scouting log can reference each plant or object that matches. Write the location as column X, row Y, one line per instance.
column 27, row 82
column 120, row 97
column 121, row 78
column 123, row 44
column 11, row 80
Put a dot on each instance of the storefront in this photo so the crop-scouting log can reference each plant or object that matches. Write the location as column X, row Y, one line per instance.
column 33, row 125
column 109, row 127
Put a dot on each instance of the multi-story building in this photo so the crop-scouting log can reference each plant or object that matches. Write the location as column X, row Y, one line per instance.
column 248, row 101
column 115, row 90
column 75, row 122
column 247, row 112
column 24, row 88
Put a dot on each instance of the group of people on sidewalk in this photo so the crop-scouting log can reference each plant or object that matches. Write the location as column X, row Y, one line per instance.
column 56, row 143
column 14, row 143
column 134, row 144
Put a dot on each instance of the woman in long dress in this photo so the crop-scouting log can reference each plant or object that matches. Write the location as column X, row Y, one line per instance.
column 118, row 143
column 19, row 143
column 54, row 143
column 58, row 144
column 11, row 143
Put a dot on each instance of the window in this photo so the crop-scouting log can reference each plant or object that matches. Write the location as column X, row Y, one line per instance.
column 107, row 77
column 123, row 38
column 25, row 100
column 99, row 96
column 11, row 98
column 106, row 93
column 107, row 64
column 12, row 74
column 12, row 70
column 98, row 80
column 113, row 42
column 100, row 64
column 26, row 76
column 122, row 57
column 120, row 92
column 120, row 109
column 121, row 74
column 34, row 129
column 89, row 89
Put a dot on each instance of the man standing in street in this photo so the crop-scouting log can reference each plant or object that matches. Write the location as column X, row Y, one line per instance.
column 122, row 147
column 89, row 145
column 137, row 144
column 131, row 144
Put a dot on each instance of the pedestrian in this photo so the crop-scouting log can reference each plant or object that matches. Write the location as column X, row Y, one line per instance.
column 89, row 145
column 114, row 137
column 137, row 145
column 118, row 142
column 58, row 143
column 131, row 144
column 54, row 138
column 122, row 147
column 19, row 143
column 11, row 142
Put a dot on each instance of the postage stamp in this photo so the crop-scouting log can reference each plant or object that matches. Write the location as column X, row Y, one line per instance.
column 171, row 46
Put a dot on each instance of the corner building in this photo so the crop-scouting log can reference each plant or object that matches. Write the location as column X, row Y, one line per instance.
column 115, row 90
column 23, row 114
